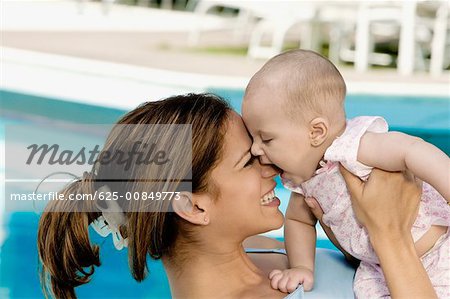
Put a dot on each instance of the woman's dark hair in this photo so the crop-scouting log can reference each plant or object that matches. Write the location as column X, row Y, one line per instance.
column 65, row 251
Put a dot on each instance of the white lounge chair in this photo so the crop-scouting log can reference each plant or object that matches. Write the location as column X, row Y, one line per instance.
column 411, row 30
column 274, row 18
column 277, row 20
column 202, row 7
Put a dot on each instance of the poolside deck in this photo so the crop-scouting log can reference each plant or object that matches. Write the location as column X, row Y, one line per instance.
column 157, row 39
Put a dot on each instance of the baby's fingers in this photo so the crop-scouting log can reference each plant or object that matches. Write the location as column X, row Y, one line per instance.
column 274, row 281
column 282, row 284
column 292, row 285
column 273, row 272
column 307, row 284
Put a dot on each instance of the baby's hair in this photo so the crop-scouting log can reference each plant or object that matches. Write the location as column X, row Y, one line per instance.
column 311, row 84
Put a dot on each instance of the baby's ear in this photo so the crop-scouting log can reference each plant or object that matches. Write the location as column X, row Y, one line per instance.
column 318, row 131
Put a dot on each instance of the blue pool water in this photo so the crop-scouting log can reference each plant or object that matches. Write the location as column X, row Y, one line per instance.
column 427, row 118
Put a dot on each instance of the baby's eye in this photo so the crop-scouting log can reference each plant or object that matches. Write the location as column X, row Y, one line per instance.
column 266, row 141
column 250, row 161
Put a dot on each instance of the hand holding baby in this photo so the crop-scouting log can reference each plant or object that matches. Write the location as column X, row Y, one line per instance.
column 288, row 280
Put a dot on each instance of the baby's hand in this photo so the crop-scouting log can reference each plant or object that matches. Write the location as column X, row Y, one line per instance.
column 288, row 280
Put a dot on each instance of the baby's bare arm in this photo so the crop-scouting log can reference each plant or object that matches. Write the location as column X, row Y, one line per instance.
column 394, row 151
column 300, row 233
column 300, row 242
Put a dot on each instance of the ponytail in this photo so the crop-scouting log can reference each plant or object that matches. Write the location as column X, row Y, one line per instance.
column 65, row 251
column 67, row 256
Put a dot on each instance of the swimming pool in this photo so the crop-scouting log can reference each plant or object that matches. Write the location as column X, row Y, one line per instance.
column 427, row 118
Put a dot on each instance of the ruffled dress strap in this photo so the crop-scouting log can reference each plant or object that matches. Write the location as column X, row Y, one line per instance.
column 344, row 148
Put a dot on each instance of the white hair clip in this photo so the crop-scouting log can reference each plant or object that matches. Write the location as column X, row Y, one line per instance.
column 110, row 221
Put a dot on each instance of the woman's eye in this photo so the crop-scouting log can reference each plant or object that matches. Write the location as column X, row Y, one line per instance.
column 250, row 161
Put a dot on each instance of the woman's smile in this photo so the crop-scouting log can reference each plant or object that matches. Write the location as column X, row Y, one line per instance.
column 270, row 199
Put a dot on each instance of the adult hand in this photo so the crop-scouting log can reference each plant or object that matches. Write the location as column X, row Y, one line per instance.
column 387, row 203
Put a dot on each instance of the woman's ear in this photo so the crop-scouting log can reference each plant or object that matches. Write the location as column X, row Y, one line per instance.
column 192, row 208
column 318, row 131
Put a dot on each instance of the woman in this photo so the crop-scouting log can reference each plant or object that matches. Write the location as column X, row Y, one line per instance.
column 199, row 236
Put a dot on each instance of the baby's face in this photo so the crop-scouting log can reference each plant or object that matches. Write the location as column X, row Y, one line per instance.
column 277, row 138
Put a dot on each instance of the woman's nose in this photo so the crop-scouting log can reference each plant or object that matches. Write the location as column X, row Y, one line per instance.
column 269, row 170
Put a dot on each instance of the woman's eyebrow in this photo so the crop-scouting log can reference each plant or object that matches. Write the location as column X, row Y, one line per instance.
column 242, row 157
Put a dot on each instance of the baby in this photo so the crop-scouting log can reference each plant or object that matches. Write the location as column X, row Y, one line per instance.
column 294, row 109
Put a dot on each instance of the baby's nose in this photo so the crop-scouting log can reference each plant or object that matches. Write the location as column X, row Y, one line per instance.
column 256, row 149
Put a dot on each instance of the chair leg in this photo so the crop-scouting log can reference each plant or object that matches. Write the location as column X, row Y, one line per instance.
column 335, row 38
column 407, row 39
column 200, row 11
column 242, row 25
column 438, row 43
column 362, row 39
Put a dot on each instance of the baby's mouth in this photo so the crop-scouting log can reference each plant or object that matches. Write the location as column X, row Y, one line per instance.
column 268, row 197
column 278, row 169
